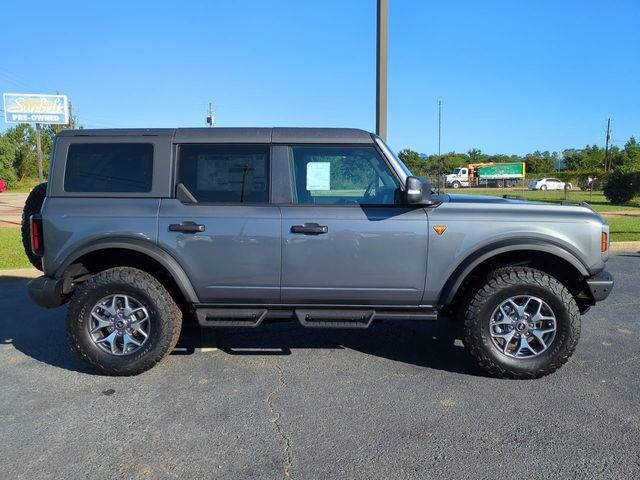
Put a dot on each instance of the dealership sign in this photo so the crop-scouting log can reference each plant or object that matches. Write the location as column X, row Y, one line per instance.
column 32, row 108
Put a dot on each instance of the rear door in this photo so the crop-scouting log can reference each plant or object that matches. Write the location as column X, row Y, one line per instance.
column 347, row 239
column 222, row 228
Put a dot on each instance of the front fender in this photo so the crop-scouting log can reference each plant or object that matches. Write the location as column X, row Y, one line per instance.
column 464, row 268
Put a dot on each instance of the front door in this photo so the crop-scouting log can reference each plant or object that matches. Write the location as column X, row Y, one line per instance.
column 348, row 240
column 222, row 229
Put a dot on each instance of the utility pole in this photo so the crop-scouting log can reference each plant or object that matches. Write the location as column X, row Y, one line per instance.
column 439, row 140
column 39, row 148
column 210, row 119
column 72, row 123
column 607, row 161
column 381, row 69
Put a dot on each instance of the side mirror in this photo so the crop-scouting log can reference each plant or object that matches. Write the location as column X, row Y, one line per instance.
column 418, row 191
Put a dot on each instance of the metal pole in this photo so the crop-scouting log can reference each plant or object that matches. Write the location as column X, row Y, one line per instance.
column 607, row 162
column 439, row 140
column 381, row 69
column 39, row 148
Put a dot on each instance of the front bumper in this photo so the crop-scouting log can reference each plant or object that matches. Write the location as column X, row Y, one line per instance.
column 46, row 291
column 600, row 285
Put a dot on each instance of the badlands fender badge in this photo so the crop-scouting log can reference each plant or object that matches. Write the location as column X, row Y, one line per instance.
column 439, row 229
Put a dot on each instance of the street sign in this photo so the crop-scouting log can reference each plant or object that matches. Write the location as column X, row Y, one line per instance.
column 33, row 108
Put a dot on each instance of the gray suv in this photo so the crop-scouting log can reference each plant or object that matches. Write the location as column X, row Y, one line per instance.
column 138, row 229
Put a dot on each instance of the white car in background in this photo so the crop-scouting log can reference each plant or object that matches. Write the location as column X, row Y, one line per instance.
column 548, row 184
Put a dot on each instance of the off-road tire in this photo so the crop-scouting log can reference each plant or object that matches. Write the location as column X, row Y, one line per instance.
column 504, row 283
column 33, row 205
column 166, row 320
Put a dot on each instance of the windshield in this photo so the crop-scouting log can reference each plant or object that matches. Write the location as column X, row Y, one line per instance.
column 405, row 169
column 456, row 171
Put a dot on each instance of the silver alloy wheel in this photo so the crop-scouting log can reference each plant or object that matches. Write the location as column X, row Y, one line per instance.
column 522, row 326
column 119, row 325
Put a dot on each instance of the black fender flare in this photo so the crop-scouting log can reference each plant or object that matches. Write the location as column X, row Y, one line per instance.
column 137, row 245
column 510, row 245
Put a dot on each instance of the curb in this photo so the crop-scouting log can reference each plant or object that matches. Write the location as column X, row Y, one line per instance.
column 624, row 247
column 20, row 273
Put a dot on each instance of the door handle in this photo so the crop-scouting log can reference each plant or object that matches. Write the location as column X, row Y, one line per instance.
column 309, row 229
column 186, row 227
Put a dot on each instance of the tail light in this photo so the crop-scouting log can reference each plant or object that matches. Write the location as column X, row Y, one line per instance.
column 37, row 240
column 604, row 242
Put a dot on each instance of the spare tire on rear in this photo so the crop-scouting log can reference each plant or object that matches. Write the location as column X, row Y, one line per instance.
column 32, row 206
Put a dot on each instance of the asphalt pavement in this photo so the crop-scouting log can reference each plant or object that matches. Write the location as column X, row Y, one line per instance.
column 400, row 400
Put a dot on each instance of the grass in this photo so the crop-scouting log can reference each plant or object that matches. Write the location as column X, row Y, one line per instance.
column 11, row 251
column 624, row 229
column 23, row 186
column 596, row 199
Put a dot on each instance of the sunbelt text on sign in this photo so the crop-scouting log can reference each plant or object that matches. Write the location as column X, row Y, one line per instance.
column 32, row 108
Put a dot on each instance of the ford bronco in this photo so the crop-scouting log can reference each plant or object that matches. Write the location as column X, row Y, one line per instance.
column 138, row 229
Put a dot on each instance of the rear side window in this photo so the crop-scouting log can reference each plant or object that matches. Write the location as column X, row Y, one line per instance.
column 109, row 168
column 225, row 173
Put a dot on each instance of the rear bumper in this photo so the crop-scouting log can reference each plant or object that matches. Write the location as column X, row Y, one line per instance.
column 46, row 291
column 600, row 285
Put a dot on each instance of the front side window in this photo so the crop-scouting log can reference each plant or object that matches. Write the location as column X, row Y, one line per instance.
column 342, row 175
column 109, row 168
column 225, row 173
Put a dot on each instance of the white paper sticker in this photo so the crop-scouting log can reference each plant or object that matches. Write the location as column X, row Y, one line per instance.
column 319, row 176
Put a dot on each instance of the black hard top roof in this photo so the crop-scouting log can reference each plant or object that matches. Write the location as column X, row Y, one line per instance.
column 235, row 135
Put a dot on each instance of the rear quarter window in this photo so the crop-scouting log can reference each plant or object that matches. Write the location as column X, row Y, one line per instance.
column 109, row 168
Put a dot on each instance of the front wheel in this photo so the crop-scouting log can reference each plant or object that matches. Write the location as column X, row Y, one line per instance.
column 522, row 323
column 122, row 321
column 455, row 184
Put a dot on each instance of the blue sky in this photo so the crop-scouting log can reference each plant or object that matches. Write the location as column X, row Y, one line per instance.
column 513, row 76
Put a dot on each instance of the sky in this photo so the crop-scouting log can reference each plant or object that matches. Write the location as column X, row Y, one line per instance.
column 513, row 76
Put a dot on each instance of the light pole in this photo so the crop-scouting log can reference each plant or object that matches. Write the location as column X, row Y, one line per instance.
column 381, row 69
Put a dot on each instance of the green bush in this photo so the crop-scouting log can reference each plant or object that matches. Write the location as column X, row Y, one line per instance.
column 622, row 187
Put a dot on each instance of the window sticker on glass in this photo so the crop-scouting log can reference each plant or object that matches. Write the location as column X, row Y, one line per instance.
column 318, row 176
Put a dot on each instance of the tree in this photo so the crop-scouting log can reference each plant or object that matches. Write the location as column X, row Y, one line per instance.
column 7, row 160
column 592, row 158
column 540, row 162
column 418, row 165
column 475, row 154
column 18, row 154
column 621, row 187
column 627, row 159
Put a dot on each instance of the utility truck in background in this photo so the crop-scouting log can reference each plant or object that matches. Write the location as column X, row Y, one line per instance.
column 486, row 175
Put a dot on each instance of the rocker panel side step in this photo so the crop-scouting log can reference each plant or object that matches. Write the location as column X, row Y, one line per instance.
column 335, row 318
column 230, row 317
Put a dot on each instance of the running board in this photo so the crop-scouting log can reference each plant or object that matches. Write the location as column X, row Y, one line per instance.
column 236, row 316
column 335, row 318
column 230, row 317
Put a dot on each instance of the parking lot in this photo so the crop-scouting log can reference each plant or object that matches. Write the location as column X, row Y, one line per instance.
column 401, row 400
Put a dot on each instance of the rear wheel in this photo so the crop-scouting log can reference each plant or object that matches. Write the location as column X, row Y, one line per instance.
column 32, row 205
column 122, row 321
column 522, row 323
